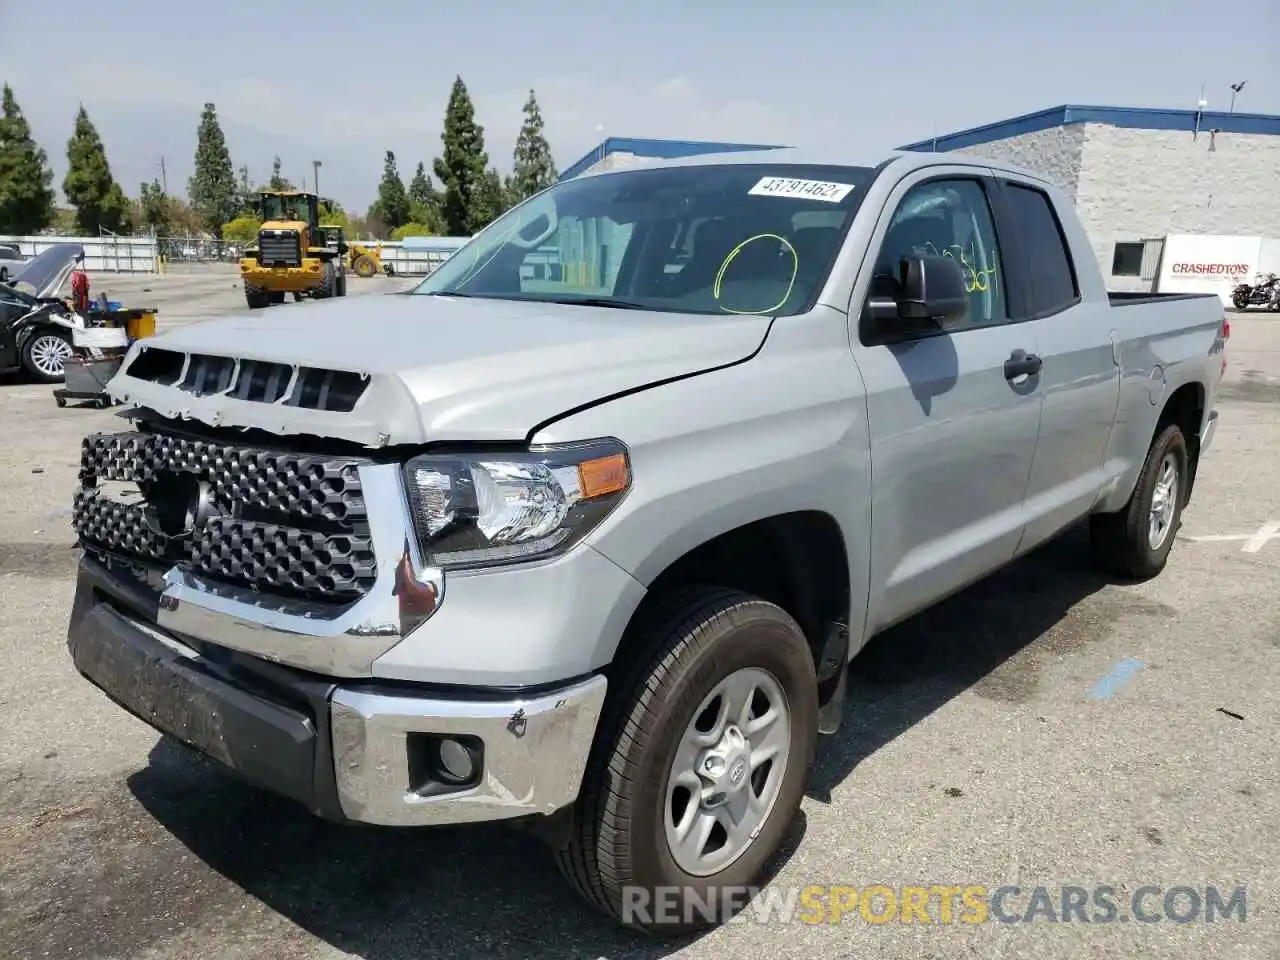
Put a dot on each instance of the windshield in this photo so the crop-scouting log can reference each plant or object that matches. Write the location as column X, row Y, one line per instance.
column 715, row 239
column 285, row 208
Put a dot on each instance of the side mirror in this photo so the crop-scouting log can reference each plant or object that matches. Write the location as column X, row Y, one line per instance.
column 929, row 293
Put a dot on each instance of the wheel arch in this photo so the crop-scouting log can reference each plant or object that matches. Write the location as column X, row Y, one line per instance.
column 796, row 560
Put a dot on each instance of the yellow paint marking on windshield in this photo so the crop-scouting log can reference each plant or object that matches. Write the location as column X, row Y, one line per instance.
column 795, row 268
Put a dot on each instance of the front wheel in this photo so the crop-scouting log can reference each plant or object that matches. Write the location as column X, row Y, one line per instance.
column 1135, row 541
column 45, row 355
column 700, row 763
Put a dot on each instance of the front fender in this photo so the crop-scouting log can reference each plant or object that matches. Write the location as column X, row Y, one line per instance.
column 784, row 432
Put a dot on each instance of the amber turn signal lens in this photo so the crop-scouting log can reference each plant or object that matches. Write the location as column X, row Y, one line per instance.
column 602, row 476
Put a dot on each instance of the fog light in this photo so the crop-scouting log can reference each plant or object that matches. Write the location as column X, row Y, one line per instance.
column 457, row 763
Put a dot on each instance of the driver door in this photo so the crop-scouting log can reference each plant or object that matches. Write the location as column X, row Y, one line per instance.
column 952, row 438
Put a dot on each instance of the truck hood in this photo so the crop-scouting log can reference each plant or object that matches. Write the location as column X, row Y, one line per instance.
column 425, row 368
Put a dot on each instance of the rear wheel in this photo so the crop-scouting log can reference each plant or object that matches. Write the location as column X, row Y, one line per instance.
column 364, row 266
column 256, row 297
column 1135, row 541
column 700, row 762
column 1240, row 300
column 329, row 283
column 45, row 355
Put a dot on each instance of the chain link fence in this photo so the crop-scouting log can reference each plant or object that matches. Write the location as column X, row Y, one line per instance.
column 192, row 249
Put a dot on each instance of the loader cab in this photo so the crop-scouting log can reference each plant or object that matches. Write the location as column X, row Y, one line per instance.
column 292, row 207
column 290, row 227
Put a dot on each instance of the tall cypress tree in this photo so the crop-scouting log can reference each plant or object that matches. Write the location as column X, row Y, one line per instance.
column 392, row 205
column 462, row 166
column 212, row 188
column 26, row 182
column 89, row 187
column 533, row 168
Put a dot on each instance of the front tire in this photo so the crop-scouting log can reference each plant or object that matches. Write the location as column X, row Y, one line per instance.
column 256, row 297
column 1135, row 541
column 700, row 763
column 45, row 354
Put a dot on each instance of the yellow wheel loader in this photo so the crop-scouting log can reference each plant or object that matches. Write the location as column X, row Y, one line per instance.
column 293, row 254
column 366, row 261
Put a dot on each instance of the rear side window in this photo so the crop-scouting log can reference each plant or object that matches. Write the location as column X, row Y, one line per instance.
column 1052, row 274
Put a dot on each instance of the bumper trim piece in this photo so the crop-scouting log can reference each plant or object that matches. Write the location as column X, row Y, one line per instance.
column 535, row 753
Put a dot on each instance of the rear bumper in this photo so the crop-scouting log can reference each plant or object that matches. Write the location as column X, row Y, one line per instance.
column 356, row 752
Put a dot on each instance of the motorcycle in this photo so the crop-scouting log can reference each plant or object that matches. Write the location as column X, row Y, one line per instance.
column 1265, row 293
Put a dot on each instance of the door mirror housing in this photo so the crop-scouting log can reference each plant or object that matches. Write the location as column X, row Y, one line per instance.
column 929, row 294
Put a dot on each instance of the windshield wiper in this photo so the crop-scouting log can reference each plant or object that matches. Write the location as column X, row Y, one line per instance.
column 596, row 302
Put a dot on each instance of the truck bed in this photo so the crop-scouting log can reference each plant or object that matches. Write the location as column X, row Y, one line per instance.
column 1125, row 299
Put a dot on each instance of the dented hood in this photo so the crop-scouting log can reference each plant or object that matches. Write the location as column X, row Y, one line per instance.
column 437, row 368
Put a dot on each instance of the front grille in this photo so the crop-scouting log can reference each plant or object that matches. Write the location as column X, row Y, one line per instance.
column 269, row 520
column 257, row 381
column 279, row 248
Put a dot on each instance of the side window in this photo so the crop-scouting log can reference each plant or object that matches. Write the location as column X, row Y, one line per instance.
column 947, row 218
column 1126, row 259
column 1052, row 274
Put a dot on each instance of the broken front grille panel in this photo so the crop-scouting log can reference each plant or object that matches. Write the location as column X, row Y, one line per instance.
column 279, row 248
column 266, row 520
column 256, row 381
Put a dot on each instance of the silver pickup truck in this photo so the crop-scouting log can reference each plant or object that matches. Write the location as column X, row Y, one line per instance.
column 581, row 533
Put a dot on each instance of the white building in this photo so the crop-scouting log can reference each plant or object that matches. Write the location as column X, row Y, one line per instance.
column 1138, row 176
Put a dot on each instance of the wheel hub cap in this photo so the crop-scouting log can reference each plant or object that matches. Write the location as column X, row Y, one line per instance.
column 49, row 354
column 1164, row 503
column 727, row 772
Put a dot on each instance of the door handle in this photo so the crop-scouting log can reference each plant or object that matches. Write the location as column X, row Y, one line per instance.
column 1021, row 364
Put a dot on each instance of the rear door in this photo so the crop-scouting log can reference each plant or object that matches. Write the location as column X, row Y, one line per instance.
column 952, row 436
column 1065, row 304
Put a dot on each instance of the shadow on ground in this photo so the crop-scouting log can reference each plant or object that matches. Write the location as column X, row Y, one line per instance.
column 489, row 892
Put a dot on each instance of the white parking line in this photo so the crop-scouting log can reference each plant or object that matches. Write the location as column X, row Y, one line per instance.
column 1253, row 542
column 1268, row 531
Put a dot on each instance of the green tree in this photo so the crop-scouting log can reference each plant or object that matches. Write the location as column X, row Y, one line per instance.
column 213, row 190
column 243, row 230
column 491, row 200
column 246, row 193
column 392, row 205
column 88, row 185
column 412, row 230
column 533, row 168
column 277, row 181
column 26, row 182
column 462, row 166
column 424, row 202
column 155, row 209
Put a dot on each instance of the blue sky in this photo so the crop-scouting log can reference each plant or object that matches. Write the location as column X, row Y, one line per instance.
column 316, row 81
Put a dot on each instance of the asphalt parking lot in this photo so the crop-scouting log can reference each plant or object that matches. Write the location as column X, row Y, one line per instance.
column 1044, row 728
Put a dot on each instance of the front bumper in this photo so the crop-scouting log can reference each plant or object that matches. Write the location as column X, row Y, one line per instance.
column 358, row 751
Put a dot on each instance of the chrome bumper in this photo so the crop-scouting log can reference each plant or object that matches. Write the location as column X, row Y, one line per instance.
column 360, row 753
column 534, row 752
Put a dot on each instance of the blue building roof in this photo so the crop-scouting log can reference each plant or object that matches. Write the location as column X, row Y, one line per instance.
column 1135, row 118
column 662, row 149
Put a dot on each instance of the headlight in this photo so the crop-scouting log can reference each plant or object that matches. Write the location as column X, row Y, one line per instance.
column 477, row 510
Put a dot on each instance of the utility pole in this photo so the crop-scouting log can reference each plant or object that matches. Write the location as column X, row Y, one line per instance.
column 1235, row 88
column 315, row 177
column 164, row 178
